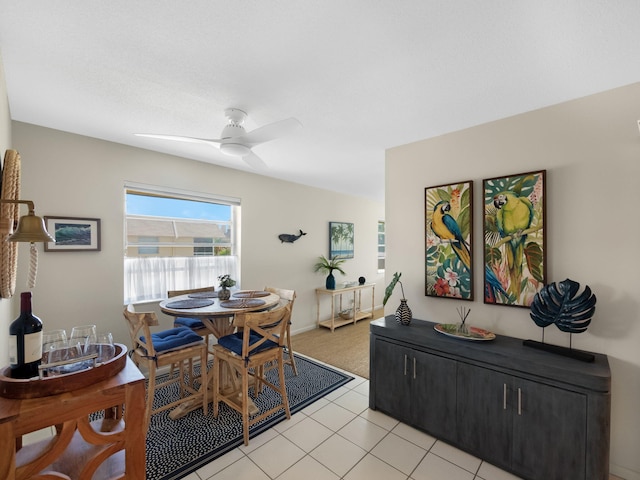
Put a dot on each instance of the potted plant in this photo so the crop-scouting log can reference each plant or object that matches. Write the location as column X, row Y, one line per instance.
column 326, row 265
column 403, row 313
column 225, row 282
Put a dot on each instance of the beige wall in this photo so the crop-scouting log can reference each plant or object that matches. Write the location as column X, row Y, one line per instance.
column 591, row 151
column 5, row 114
column 71, row 175
column 5, row 143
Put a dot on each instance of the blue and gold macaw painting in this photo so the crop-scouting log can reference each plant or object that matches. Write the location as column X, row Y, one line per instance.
column 448, row 232
column 514, row 240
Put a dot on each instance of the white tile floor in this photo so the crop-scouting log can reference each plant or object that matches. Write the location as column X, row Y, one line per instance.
column 339, row 437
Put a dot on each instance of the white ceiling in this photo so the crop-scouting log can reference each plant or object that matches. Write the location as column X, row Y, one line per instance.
column 360, row 75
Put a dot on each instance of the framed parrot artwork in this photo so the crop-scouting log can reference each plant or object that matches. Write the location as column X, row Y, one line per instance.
column 514, row 238
column 448, row 241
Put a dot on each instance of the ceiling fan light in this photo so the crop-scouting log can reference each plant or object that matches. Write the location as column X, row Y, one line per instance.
column 232, row 130
column 235, row 149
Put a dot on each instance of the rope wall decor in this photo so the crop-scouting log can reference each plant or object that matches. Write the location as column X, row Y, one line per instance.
column 9, row 250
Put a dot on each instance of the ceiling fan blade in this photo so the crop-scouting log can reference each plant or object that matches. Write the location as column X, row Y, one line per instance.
column 270, row 132
column 179, row 138
column 254, row 161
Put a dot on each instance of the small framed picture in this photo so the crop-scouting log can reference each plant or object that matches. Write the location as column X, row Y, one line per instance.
column 340, row 240
column 73, row 234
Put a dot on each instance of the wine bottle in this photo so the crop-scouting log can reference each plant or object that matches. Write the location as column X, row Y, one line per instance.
column 25, row 341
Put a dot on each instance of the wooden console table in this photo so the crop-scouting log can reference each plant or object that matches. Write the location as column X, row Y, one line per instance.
column 356, row 313
column 112, row 447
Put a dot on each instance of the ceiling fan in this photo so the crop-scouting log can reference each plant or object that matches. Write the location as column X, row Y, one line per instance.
column 235, row 140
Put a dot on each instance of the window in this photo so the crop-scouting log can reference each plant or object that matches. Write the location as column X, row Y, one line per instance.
column 199, row 249
column 381, row 246
column 176, row 241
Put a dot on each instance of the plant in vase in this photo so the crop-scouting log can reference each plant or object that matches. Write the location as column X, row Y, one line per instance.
column 326, row 265
column 225, row 282
column 403, row 313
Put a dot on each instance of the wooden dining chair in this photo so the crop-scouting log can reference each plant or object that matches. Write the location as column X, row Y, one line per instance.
column 176, row 346
column 289, row 295
column 260, row 341
column 193, row 323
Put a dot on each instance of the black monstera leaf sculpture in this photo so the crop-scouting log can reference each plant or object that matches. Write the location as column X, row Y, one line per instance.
column 558, row 303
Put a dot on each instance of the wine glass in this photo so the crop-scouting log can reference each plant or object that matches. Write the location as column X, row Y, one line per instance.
column 103, row 347
column 64, row 353
column 85, row 335
column 52, row 339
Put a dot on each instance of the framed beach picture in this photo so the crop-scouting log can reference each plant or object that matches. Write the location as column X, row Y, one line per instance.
column 514, row 238
column 340, row 240
column 73, row 234
column 449, row 241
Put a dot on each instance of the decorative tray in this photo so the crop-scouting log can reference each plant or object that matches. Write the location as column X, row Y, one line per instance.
column 190, row 303
column 242, row 303
column 42, row 387
column 251, row 294
column 473, row 333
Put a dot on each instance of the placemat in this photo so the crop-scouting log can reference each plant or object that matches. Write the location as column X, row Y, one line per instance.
column 242, row 303
column 204, row 295
column 190, row 303
column 251, row 294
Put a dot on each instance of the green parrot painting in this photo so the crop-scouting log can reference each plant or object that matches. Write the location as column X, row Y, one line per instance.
column 513, row 216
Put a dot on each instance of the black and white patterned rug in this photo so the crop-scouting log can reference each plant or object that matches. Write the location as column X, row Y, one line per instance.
column 176, row 448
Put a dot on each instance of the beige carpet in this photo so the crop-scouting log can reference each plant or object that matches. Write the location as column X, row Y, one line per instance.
column 346, row 348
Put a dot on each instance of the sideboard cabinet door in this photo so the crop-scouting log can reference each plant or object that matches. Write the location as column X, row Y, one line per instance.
column 433, row 398
column 484, row 413
column 527, row 421
column 416, row 387
column 390, row 369
column 562, row 440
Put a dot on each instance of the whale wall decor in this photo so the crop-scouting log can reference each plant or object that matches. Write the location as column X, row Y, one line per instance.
column 289, row 237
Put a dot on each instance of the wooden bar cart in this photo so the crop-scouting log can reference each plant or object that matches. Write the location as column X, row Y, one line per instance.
column 84, row 447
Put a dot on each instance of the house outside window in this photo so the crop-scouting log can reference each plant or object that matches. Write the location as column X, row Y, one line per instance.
column 148, row 245
column 177, row 241
column 381, row 246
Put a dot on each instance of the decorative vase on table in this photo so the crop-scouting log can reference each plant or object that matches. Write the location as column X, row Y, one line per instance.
column 224, row 294
column 403, row 313
column 330, row 283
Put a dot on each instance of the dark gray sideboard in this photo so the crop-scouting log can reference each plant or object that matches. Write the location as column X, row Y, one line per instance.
column 536, row 414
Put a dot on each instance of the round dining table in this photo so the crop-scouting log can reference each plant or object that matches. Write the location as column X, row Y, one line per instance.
column 218, row 316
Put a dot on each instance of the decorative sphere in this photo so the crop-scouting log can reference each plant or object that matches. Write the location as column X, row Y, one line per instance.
column 361, row 280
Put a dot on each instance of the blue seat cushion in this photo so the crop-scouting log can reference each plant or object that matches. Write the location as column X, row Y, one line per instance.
column 174, row 338
column 233, row 342
column 188, row 322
